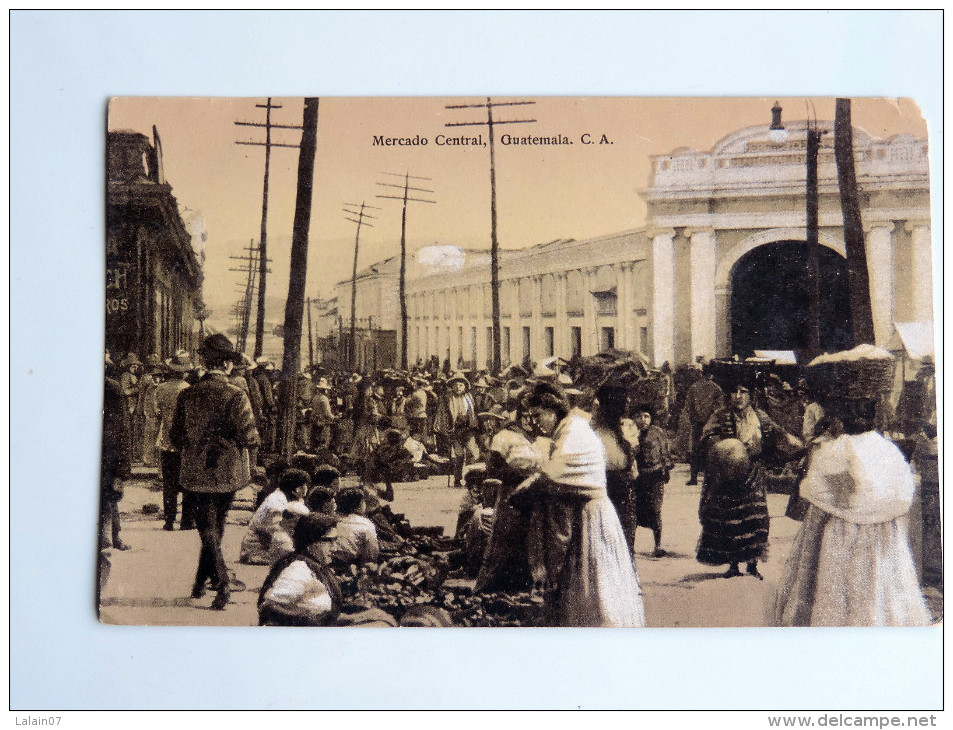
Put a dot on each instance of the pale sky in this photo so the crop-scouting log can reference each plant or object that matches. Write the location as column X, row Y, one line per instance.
column 543, row 192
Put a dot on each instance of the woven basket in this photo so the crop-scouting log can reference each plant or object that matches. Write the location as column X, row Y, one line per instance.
column 853, row 378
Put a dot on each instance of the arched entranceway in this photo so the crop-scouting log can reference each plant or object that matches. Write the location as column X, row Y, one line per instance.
column 770, row 300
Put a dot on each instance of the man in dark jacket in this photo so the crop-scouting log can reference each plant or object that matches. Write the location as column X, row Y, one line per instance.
column 116, row 457
column 704, row 397
column 214, row 431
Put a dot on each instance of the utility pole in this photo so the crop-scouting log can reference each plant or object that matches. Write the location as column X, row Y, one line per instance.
column 490, row 123
column 358, row 218
column 402, row 286
column 310, row 340
column 813, row 264
column 263, row 245
column 252, row 261
column 857, row 276
column 294, row 307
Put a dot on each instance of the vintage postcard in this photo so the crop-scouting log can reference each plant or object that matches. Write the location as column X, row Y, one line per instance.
column 519, row 362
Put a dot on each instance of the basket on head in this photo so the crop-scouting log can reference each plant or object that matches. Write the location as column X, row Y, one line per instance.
column 866, row 372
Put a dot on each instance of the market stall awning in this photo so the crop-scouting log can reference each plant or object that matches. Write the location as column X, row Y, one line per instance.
column 780, row 357
column 913, row 338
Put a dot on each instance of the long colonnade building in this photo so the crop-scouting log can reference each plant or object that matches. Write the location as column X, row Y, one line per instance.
column 719, row 269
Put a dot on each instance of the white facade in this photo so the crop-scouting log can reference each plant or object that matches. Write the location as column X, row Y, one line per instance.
column 665, row 290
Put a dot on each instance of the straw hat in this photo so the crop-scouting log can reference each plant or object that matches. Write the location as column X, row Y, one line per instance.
column 459, row 378
column 180, row 362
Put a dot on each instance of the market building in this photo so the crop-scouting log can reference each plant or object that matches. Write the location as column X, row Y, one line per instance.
column 153, row 254
column 720, row 267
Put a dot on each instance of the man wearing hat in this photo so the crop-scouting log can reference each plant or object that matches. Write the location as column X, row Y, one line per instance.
column 416, row 409
column 269, row 410
column 131, row 367
column 457, row 421
column 704, row 397
column 170, row 462
column 322, row 417
column 214, row 431
column 151, row 377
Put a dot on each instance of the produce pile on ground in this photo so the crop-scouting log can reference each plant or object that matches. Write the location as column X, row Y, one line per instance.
column 417, row 571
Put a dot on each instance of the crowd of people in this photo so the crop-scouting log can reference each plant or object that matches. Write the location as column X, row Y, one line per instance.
column 556, row 477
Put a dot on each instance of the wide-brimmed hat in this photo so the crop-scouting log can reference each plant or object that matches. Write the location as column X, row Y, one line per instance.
column 541, row 371
column 131, row 358
column 180, row 362
column 355, row 378
column 322, row 384
column 219, row 347
column 514, row 371
column 265, row 363
column 496, row 412
column 459, row 378
column 154, row 362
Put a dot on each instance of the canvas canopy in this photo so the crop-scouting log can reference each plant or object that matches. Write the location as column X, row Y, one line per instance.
column 914, row 339
column 781, row 357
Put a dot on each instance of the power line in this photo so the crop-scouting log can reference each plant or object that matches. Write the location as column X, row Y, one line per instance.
column 402, row 286
column 490, row 123
column 357, row 216
column 263, row 245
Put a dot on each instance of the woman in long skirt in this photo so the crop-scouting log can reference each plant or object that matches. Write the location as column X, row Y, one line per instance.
column 591, row 579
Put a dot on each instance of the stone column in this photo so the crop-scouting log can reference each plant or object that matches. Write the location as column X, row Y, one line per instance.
column 880, row 269
column 625, row 338
column 590, row 332
column 561, row 334
column 536, row 324
column 663, row 296
column 513, row 304
column 703, row 262
column 921, row 270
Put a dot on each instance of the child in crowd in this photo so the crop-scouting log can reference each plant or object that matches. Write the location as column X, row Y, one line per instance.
column 654, row 461
column 268, row 536
column 356, row 535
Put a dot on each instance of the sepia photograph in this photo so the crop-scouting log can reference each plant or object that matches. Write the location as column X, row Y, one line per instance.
column 519, row 362
column 602, row 347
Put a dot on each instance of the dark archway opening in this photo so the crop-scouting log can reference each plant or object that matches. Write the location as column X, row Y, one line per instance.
column 770, row 300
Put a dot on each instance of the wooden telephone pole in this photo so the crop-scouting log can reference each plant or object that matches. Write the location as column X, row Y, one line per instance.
column 251, row 270
column 490, row 123
column 294, row 307
column 857, row 276
column 402, row 286
column 358, row 217
column 813, row 264
column 310, row 337
column 263, row 245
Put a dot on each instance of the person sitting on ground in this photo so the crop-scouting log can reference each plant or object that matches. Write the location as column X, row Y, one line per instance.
column 320, row 500
column 272, row 473
column 267, row 538
column 471, row 498
column 300, row 589
column 391, row 462
column 326, row 476
column 357, row 537
column 477, row 531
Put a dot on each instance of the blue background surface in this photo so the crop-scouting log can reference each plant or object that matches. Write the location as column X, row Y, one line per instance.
column 65, row 65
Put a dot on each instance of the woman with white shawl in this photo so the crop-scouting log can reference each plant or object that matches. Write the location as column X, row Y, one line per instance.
column 851, row 563
column 590, row 577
